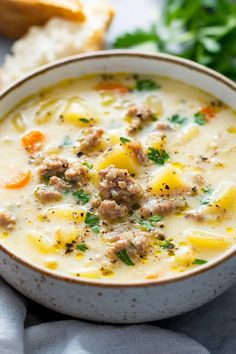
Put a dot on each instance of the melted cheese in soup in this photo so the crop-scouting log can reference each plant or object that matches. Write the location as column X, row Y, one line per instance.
column 118, row 177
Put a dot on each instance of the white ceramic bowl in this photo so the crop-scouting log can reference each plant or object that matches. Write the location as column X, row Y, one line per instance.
column 120, row 303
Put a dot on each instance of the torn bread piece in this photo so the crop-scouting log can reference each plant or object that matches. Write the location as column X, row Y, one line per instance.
column 57, row 39
column 16, row 16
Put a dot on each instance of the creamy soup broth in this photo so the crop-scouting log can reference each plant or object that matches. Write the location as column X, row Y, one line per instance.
column 118, row 177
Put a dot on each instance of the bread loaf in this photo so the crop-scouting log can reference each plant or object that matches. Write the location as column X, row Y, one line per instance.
column 16, row 16
column 58, row 38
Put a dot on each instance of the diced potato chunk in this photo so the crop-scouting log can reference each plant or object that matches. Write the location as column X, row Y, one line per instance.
column 114, row 139
column 201, row 239
column 70, row 214
column 39, row 242
column 63, row 236
column 166, row 181
column 223, row 199
column 184, row 256
column 154, row 104
column 189, row 132
column 157, row 141
column 220, row 204
column 79, row 112
column 121, row 157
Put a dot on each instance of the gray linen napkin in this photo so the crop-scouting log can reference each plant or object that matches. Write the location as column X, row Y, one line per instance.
column 77, row 337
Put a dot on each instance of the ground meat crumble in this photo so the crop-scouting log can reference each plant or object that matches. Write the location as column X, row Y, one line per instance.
column 53, row 165
column 117, row 184
column 91, row 138
column 7, row 221
column 109, row 209
column 45, row 194
column 135, row 242
column 59, row 184
column 163, row 206
column 76, row 173
column 195, row 215
column 139, row 116
column 137, row 148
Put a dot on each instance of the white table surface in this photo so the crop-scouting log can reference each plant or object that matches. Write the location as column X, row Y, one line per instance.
column 214, row 324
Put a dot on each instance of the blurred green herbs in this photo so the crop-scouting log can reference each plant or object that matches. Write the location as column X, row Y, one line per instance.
column 201, row 30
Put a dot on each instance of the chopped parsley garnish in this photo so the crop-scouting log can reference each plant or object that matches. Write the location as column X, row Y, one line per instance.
column 96, row 229
column 207, row 190
column 155, row 218
column 204, row 201
column 67, row 141
column 92, row 221
column 124, row 140
column 81, row 196
column 158, row 156
column 87, row 164
column 177, row 119
column 167, row 245
column 81, row 247
column 124, row 257
column 199, row 118
column 149, row 223
column 84, row 120
column 199, row 261
column 147, row 85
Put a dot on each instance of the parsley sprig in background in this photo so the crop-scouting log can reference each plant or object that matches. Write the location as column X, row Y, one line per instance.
column 201, row 30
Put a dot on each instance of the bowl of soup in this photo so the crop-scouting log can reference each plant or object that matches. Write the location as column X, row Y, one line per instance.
column 118, row 186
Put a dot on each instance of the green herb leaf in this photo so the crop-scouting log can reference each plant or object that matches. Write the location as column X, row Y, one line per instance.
column 204, row 201
column 81, row 196
column 135, row 38
column 150, row 223
column 199, row 118
column 167, row 245
column 177, row 119
column 207, row 190
column 81, row 247
column 92, row 221
column 147, row 85
column 158, row 156
column 96, row 229
column 199, row 261
column 124, row 257
column 201, row 30
column 124, row 140
column 87, row 164
column 84, row 120
column 155, row 218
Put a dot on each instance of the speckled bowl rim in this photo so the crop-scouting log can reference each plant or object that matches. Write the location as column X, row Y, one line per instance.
column 103, row 55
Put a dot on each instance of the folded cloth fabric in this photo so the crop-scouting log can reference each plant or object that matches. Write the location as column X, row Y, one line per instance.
column 78, row 337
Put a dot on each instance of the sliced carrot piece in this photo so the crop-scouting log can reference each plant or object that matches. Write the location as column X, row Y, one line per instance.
column 111, row 86
column 19, row 180
column 209, row 112
column 33, row 141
